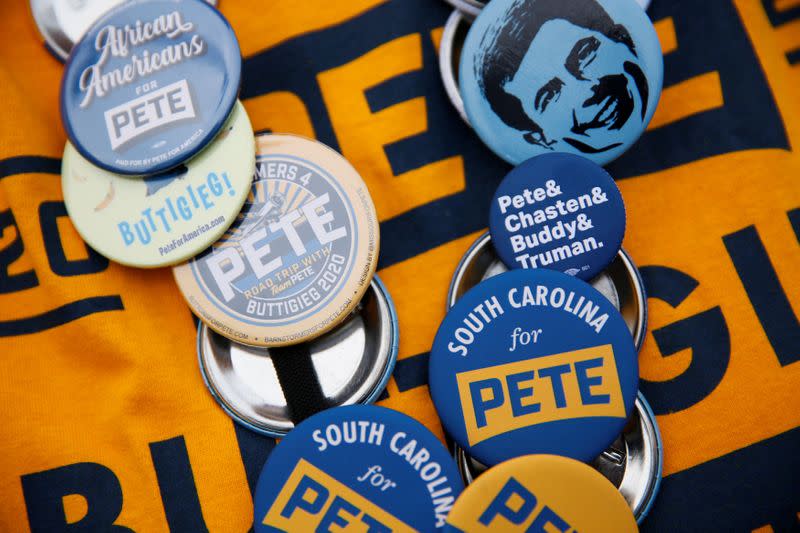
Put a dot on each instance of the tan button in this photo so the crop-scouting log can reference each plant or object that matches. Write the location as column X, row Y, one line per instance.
column 299, row 257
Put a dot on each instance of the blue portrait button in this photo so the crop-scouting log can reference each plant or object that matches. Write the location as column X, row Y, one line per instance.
column 533, row 361
column 577, row 76
column 558, row 211
column 150, row 85
column 359, row 468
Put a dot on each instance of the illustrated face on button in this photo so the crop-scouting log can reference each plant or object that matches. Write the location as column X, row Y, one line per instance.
column 587, row 88
column 579, row 76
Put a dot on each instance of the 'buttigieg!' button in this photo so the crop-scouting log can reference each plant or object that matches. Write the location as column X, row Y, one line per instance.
column 541, row 76
column 150, row 84
column 533, row 361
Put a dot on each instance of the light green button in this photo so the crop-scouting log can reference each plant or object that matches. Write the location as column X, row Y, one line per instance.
column 165, row 219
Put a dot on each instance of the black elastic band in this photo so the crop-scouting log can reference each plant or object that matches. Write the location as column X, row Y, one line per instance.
column 299, row 381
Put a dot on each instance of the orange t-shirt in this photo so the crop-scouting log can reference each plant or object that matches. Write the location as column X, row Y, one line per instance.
column 105, row 416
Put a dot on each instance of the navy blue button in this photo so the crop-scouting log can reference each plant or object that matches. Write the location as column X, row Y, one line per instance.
column 533, row 361
column 362, row 466
column 558, row 211
column 578, row 76
column 150, row 84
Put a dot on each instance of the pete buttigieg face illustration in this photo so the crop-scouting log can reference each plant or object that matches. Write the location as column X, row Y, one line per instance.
column 564, row 75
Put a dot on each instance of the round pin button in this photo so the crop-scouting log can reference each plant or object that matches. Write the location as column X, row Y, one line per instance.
column 360, row 467
column 621, row 283
column 300, row 256
column 351, row 364
column 533, row 361
column 577, row 76
column 558, row 211
column 164, row 218
column 62, row 23
column 150, row 84
column 533, row 492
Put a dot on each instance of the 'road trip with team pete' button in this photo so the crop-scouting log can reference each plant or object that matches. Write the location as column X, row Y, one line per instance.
column 300, row 255
column 358, row 467
column 533, row 361
column 541, row 493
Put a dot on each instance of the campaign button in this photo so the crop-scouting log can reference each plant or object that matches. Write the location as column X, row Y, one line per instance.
column 632, row 463
column 541, row 493
column 150, row 84
column 533, row 361
column 621, row 283
column 350, row 364
column 576, row 76
column 164, row 218
column 62, row 23
column 300, row 256
column 360, row 468
column 558, row 211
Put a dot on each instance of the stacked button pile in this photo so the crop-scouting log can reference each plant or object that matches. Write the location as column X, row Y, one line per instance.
column 274, row 239
column 540, row 361
column 534, row 370
column 274, row 244
column 534, row 76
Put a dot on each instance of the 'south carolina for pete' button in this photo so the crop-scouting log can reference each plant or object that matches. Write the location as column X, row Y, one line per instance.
column 358, row 467
column 533, row 361
column 162, row 219
column 150, row 84
column 533, row 492
column 558, row 211
column 300, row 256
column 578, row 76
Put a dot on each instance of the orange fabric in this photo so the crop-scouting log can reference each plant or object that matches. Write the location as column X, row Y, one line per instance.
column 103, row 387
